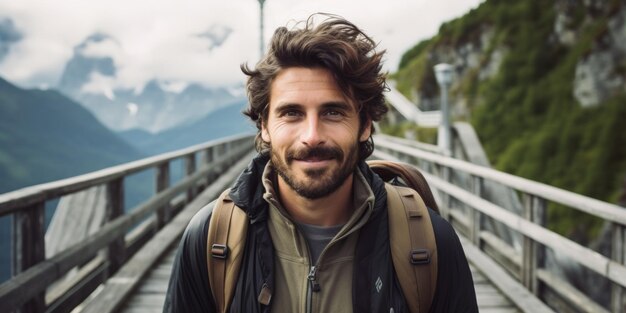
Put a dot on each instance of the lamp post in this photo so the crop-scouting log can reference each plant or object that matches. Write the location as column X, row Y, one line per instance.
column 444, row 73
column 262, row 46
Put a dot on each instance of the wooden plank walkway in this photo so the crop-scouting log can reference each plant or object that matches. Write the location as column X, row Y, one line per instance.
column 490, row 299
column 150, row 295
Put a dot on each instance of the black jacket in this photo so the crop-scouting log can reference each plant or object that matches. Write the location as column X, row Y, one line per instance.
column 188, row 289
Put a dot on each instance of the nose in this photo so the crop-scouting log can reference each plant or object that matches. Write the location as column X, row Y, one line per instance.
column 312, row 135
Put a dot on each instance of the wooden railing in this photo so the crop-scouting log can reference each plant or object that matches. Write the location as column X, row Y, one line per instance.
column 28, row 290
column 104, row 252
column 527, row 265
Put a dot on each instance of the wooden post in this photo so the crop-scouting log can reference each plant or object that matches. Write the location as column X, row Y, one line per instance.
column 29, row 248
column 228, row 147
column 478, row 186
column 116, row 252
column 540, row 217
column 162, row 183
column 527, row 257
column 533, row 256
column 190, row 168
column 438, row 170
column 618, row 255
column 224, row 148
column 446, row 200
column 220, row 151
column 207, row 158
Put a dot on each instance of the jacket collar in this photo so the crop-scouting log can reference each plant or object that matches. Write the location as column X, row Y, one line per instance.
column 247, row 192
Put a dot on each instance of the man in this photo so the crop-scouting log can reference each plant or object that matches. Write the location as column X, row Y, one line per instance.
column 318, row 238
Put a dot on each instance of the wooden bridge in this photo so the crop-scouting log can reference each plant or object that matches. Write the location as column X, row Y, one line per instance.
column 124, row 265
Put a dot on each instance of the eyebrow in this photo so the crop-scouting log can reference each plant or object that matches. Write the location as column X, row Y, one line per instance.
column 339, row 105
column 286, row 107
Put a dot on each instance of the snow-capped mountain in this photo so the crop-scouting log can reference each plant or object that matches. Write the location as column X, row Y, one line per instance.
column 159, row 105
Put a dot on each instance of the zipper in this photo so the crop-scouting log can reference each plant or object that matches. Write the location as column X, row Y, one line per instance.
column 309, row 298
column 311, row 277
column 313, row 285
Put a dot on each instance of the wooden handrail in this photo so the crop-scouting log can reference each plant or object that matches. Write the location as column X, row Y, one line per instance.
column 527, row 265
column 583, row 255
column 12, row 201
column 117, row 289
column 37, row 278
column 28, row 286
column 410, row 143
column 582, row 203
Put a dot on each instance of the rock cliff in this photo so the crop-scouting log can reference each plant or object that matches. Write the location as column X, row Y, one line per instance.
column 543, row 83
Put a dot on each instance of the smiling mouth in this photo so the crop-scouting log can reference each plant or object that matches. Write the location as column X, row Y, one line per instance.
column 314, row 163
column 314, row 159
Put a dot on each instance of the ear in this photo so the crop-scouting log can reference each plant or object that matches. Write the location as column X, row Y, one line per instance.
column 265, row 135
column 367, row 131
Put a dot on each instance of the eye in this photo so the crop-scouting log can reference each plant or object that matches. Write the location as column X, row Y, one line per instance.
column 334, row 114
column 291, row 114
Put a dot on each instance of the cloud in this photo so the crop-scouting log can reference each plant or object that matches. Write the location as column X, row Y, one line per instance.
column 132, row 108
column 216, row 34
column 102, row 47
column 396, row 25
column 100, row 84
column 192, row 41
column 8, row 36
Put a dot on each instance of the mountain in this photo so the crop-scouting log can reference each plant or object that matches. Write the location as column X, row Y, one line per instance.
column 223, row 122
column 89, row 77
column 45, row 136
column 544, row 85
column 137, row 137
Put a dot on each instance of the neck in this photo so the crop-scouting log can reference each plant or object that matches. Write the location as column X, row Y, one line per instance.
column 334, row 209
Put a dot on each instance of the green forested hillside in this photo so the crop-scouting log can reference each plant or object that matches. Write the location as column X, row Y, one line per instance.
column 531, row 111
column 45, row 136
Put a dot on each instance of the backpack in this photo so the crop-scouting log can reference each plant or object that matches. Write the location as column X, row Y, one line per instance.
column 410, row 234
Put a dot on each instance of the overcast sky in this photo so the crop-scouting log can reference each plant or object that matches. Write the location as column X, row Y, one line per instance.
column 166, row 39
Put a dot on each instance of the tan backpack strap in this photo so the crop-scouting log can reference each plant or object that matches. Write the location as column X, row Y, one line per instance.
column 413, row 246
column 225, row 243
column 413, row 178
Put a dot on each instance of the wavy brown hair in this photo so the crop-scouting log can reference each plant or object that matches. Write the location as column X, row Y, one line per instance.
column 335, row 44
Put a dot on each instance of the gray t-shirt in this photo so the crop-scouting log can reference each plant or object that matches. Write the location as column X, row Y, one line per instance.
column 318, row 238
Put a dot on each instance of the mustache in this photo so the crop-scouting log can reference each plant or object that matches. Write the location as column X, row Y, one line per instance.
column 316, row 152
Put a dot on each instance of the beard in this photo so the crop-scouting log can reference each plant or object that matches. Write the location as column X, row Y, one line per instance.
column 316, row 183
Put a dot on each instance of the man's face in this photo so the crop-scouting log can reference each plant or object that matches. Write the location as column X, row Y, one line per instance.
column 313, row 131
